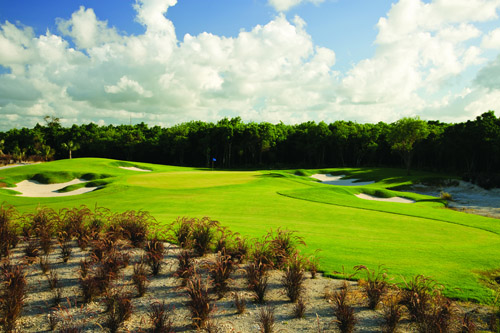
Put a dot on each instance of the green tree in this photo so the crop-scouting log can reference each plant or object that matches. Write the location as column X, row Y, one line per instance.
column 70, row 146
column 404, row 134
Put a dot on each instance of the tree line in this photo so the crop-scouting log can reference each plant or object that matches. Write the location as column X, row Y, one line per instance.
column 470, row 148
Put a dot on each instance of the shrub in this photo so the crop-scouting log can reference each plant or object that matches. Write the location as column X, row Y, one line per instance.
column 375, row 284
column 220, row 272
column 343, row 311
column 445, row 196
column 134, row 226
column 84, row 267
column 185, row 268
column 391, row 312
column 12, row 295
column 159, row 316
column 199, row 301
column 299, row 309
column 155, row 250
column 118, row 309
column 293, row 277
column 266, row 319
column 239, row 303
column 257, row 280
column 140, row 278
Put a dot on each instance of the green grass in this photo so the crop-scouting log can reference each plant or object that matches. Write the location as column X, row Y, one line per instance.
column 409, row 239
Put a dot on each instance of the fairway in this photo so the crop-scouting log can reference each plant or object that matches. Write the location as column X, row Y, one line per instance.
column 409, row 239
column 192, row 179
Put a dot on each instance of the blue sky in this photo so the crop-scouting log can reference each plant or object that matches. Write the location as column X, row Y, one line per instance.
column 263, row 60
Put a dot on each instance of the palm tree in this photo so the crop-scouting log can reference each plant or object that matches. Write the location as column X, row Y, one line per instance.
column 70, row 147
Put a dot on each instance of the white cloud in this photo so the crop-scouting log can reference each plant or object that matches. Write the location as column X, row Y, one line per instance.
column 420, row 48
column 272, row 72
column 285, row 5
column 126, row 85
column 491, row 40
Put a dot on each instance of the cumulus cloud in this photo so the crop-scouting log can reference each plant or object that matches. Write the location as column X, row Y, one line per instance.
column 491, row 40
column 285, row 5
column 272, row 72
column 421, row 48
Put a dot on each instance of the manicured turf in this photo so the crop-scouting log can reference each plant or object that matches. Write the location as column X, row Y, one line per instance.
column 409, row 239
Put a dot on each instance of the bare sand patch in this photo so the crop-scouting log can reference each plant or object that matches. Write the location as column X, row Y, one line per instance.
column 393, row 199
column 34, row 189
column 134, row 169
column 338, row 180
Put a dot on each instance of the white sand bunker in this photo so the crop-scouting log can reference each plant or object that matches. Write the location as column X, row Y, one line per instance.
column 393, row 199
column 34, row 189
column 337, row 180
column 134, row 169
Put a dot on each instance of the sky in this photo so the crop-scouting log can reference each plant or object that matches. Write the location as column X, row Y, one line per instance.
column 164, row 62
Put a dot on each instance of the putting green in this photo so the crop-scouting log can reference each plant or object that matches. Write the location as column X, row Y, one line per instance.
column 192, row 179
column 409, row 239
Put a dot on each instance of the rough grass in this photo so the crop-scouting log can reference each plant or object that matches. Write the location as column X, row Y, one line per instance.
column 409, row 239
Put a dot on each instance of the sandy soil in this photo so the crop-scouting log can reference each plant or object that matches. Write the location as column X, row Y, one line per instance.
column 166, row 287
column 466, row 197
column 32, row 188
column 337, row 180
column 134, row 169
column 393, row 199
column 16, row 165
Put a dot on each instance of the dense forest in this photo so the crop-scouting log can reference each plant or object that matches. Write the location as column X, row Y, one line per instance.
column 470, row 149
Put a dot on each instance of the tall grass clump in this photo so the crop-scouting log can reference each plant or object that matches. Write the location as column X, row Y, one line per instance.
column 220, row 271
column 160, row 319
column 8, row 230
column 134, row 226
column 257, row 280
column 266, row 319
column 375, row 284
column 283, row 244
column 343, row 311
column 392, row 311
column 293, row 277
column 140, row 278
column 185, row 268
column 118, row 310
column 203, row 235
column 199, row 304
column 181, row 229
column 43, row 225
column 13, row 294
column 418, row 295
column 155, row 251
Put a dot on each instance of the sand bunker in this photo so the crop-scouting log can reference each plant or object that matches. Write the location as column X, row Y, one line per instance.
column 134, row 169
column 466, row 196
column 393, row 199
column 33, row 189
column 337, row 180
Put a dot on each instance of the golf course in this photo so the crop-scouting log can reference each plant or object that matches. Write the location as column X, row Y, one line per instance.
column 454, row 248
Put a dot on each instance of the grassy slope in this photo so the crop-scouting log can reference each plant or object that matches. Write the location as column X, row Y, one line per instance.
column 412, row 239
